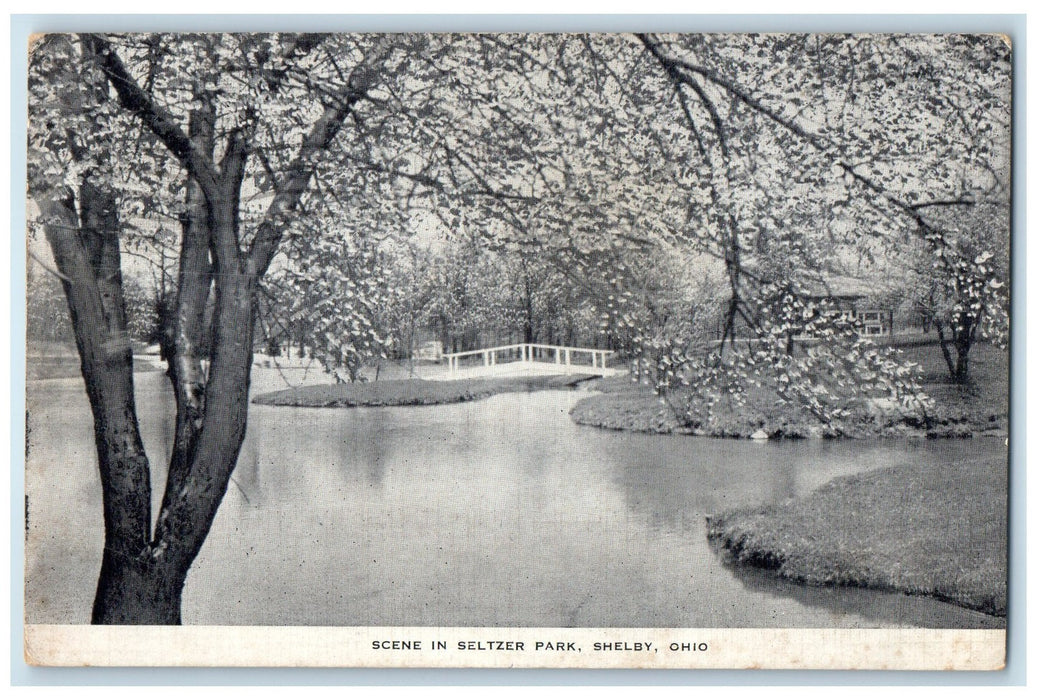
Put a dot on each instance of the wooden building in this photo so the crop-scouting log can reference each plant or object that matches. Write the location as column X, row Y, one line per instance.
column 857, row 301
column 854, row 299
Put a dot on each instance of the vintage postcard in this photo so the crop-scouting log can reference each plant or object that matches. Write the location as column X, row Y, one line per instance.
column 608, row 350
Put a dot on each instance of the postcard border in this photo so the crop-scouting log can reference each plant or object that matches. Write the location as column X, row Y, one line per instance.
column 1013, row 25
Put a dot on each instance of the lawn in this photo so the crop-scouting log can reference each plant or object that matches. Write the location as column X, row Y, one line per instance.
column 980, row 404
column 67, row 366
column 411, row 392
column 938, row 530
column 978, row 407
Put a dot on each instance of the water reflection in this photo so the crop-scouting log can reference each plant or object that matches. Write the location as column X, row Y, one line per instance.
column 847, row 602
column 497, row 512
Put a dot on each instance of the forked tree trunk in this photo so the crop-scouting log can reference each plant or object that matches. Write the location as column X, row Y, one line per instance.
column 147, row 589
column 142, row 576
column 143, row 572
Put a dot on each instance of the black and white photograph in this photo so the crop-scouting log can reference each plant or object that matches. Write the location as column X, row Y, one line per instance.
column 617, row 350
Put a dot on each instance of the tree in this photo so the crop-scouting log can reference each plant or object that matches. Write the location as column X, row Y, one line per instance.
column 207, row 115
column 858, row 139
column 467, row 299
column 144, row 568
column 960, row 279
column 46, row 314
column 340, row 292
column 841, row 143
column 581, row 148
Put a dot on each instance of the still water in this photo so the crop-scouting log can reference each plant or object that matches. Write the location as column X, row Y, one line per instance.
column 500, row 512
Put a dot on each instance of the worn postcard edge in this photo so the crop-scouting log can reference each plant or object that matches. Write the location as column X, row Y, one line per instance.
column 474, row 647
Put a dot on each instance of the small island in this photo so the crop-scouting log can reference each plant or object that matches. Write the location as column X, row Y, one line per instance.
column 411, row 392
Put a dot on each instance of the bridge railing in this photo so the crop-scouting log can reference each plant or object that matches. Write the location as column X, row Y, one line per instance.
column 539, row 353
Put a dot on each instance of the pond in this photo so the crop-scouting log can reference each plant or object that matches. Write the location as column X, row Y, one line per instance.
column 500, row 512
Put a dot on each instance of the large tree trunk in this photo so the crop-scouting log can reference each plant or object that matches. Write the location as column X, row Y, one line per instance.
column 185, row 520
column 86, row 250
column 142, row 575
column 149, row 591
column 135, row 592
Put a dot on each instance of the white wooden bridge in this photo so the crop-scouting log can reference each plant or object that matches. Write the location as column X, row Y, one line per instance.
column 529, row 358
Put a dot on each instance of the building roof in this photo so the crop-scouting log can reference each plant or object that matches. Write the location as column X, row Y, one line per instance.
column 841, row 287
column 834, row 287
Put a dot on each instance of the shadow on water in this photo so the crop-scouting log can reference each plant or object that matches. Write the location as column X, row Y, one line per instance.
column 674, row 480
column 845, row 601
column 357, row 450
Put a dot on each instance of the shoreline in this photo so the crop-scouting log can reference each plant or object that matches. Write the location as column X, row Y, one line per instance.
column 632, row 412
column 937, row 531
column 412, row 392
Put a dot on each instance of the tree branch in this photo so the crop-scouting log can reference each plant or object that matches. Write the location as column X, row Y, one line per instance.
column 158, row 120
column 301, row 169
column 678, row 70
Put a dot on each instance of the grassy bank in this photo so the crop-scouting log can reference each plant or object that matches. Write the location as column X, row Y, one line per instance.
column 979, row 407
column 624, row 405
column 936, row 530
column 411, row 392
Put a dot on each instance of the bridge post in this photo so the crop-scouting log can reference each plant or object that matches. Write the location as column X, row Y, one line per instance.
column 567, row 360
column 485, row 359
